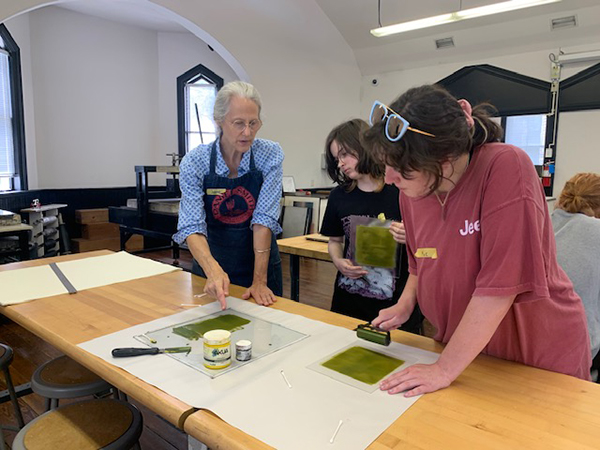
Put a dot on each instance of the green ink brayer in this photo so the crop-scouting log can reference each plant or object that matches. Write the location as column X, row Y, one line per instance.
column 369, row 333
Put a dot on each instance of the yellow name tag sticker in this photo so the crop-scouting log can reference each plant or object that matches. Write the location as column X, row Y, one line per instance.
column 215, row 191
column 426, row 253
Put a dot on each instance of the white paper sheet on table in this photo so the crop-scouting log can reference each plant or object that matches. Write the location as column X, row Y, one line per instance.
column 256, row 399
column 22, row 285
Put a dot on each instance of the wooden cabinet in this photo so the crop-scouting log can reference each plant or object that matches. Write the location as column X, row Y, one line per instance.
column 98, row 233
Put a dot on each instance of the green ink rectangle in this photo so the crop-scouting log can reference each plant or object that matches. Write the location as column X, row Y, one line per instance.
column 196, row 330
column 375, row 246
column 362, row 364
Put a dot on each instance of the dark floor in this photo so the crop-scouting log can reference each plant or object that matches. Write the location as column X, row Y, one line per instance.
column 316, row 288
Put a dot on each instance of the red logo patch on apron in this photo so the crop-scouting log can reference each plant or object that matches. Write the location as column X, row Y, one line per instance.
column 224, row 206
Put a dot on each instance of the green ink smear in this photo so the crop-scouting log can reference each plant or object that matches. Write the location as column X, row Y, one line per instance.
column 375, row 247
column 195, row 331
column 363, row 364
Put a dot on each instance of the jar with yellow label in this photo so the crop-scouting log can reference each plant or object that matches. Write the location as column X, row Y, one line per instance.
column 217, row 349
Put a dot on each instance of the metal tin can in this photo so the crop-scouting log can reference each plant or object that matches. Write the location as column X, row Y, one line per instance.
column 217, row 349
column 243, row 350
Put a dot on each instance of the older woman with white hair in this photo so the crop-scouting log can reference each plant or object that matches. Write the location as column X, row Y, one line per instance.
column 229, row 208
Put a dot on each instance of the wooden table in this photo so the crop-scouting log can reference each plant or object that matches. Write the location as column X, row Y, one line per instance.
column 67, row 320
column 301, row 246
column 22, row 231
column 494, row 404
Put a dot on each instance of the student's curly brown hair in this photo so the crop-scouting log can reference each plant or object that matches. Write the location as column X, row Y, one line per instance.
column 581, row 194
column 433, row 109
column 348, row 136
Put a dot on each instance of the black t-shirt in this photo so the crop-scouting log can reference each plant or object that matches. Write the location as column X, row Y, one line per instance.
column 380, row 288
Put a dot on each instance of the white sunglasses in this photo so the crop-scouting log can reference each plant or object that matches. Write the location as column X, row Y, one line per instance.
column 395, row 125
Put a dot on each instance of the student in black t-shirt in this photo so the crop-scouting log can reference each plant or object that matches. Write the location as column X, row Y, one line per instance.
column 361, row 194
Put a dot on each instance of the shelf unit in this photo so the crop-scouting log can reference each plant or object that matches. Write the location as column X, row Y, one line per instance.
column 318, row 203
column 45, row 234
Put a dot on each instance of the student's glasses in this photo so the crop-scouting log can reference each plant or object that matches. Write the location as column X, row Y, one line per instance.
column 342, row 154
column 395, row 125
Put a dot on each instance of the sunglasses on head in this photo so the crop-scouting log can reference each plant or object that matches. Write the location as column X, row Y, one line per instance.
column 395, row 125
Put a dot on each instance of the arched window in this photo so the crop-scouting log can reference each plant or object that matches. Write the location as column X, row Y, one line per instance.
column 13, row 173
column 196, row 92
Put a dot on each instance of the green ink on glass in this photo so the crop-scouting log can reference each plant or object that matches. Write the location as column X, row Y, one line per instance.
column 375, row 247
column 196, row 330
column 363, row 364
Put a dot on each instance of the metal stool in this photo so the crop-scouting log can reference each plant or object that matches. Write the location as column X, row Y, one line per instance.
column 106, row 424
column 6, row 357
column 64, row 378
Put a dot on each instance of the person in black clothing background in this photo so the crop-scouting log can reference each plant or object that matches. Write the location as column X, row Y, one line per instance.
column 361, row 194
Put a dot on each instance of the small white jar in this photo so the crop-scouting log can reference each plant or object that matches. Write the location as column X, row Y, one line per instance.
column 243, row 350
column 217, row 349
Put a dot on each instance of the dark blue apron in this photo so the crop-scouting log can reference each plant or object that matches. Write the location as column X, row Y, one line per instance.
column 229, row 204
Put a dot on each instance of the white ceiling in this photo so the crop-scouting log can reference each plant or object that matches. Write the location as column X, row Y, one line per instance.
column 130, row 12
column 527, row 29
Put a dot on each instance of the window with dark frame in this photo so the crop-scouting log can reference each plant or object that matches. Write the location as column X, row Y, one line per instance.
column 522, row 103
column 196, row 93
column 13, row 172
column 528, row 132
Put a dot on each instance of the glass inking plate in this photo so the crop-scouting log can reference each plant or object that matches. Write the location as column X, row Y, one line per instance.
column 266, row 337
column 361, row 365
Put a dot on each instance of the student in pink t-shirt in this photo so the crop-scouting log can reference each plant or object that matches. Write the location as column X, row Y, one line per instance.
column 482, row 255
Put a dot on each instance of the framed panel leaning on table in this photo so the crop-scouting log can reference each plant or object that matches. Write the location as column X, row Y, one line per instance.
column 493, row 404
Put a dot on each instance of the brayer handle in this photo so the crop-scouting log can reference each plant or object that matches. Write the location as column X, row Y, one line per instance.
column 133, row 351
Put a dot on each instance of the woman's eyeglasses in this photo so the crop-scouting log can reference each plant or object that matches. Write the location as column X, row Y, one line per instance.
column 240, row 125
column 395, row 125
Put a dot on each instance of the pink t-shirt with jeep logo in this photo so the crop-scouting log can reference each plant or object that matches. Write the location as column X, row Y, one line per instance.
column 493, row 238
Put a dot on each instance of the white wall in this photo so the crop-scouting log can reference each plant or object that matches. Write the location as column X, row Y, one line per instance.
column 106, row 101
column 94, row 85
column 574, row 152
column 305, row 71
column 578, row 150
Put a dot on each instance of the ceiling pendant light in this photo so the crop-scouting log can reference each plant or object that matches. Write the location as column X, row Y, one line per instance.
column 457, row 16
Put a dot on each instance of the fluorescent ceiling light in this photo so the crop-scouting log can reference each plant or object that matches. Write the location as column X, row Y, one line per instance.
column 580, row 57
column 457, row 16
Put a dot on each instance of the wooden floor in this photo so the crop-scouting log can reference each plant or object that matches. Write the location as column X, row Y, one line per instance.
column 316, row 288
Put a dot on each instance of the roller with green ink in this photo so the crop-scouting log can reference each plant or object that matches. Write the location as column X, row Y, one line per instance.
column 370, row 333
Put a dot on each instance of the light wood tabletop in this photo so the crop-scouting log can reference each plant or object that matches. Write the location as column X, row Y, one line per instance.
column 301, row 246
column 67, row 320
column 494, row 404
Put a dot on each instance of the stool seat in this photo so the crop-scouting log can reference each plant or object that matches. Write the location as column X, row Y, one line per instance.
column 107, row 424
column 64, row 378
